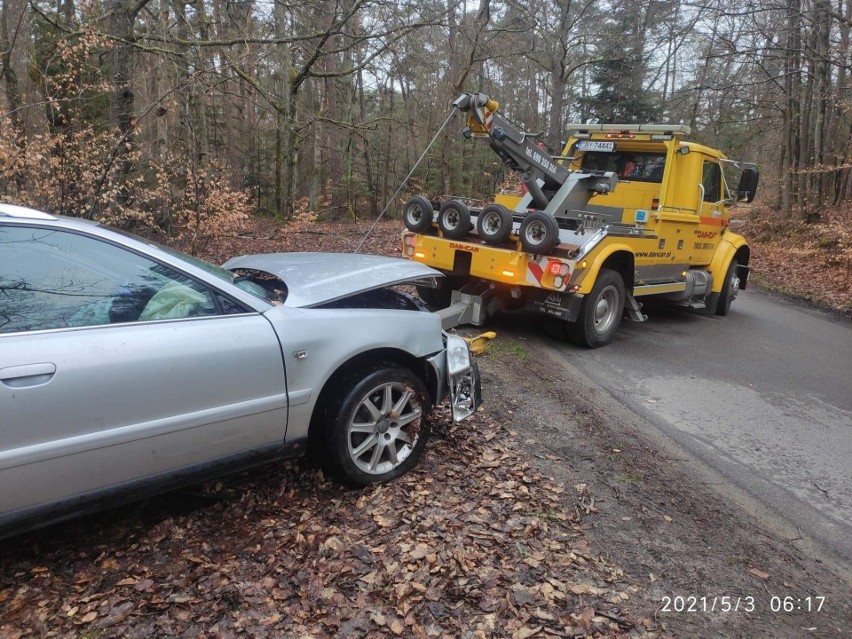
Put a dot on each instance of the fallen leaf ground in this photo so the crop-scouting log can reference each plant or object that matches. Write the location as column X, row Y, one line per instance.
column 473, row 543
column 809, row 262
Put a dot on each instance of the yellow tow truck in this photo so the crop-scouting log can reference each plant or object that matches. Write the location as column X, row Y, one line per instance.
column 624, row 212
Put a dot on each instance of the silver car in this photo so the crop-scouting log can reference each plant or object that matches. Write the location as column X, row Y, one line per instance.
column 127, row 367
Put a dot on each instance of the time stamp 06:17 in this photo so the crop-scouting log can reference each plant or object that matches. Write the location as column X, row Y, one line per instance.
column 726, row 603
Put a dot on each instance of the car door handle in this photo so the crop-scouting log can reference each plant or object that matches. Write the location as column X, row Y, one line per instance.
column 27, row 375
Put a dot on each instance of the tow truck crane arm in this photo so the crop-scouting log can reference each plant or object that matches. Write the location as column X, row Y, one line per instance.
column 519, row 150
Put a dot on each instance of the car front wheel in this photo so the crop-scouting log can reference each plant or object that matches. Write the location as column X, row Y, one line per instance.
column 377, row 427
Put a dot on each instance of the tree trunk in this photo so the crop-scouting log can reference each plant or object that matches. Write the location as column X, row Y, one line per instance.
column 120, row 23
column 290, row 142
column 792, row 117
column 368, row 174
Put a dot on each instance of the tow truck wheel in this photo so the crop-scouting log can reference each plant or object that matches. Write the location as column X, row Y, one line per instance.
column 600, row 314
column 417, row 214
column 539, row 233
column 454, row 219
column 494, row 224
column 729, row 290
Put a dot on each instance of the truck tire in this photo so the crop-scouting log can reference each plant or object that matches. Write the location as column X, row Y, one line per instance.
column 454, row 219
column 729, row 290
column 600, row 313
column 539, row 233
column 417, row 214
column 494, row 224
column 375, row 426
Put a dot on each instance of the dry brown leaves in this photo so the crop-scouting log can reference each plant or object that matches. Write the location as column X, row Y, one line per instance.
column 472, row 543
column 263, row 235
column 812, row 262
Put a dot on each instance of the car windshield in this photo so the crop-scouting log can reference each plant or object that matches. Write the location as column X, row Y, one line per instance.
column 262, row 285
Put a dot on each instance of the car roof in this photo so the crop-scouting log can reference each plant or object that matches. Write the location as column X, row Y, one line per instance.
column 23, row 212
column 11, row 214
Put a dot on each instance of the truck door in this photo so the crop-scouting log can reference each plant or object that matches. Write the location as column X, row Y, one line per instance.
column 712, row 216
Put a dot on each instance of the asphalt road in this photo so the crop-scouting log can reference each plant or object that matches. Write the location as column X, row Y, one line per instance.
column 763, row 397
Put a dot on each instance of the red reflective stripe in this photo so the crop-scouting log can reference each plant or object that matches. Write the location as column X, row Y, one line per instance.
column 535, row 269
column 711, row 221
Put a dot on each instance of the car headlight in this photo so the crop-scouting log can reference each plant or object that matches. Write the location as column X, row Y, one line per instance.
column 465, row 394
column 458, row 355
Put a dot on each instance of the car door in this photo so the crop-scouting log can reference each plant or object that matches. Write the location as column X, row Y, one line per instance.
column 116, row 368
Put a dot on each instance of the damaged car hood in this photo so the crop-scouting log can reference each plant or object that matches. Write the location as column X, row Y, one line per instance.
column 319, row 278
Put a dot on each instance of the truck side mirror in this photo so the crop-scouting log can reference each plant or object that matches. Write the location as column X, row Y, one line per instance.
column 748, row 184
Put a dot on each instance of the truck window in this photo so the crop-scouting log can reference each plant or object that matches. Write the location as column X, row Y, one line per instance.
column 642, row 167
column 712, row 182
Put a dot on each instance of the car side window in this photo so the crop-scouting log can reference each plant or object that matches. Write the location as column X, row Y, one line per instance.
column 712, row 181
column 56, row 279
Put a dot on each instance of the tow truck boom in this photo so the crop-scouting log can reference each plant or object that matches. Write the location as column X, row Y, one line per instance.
column 552, row 188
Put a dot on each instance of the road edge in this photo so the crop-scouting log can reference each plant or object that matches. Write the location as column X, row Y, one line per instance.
column 602, row 402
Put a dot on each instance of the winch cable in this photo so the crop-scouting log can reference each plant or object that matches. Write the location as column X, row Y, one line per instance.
column 405, row 181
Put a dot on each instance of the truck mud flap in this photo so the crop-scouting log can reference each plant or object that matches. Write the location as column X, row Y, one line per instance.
column 564, row 306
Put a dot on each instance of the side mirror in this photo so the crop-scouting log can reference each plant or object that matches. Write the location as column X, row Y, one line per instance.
column 748, row 184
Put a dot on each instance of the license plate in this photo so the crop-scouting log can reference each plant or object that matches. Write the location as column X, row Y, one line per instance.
column 593, row 145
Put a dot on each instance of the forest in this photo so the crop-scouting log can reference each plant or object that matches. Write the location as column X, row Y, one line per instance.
column 186, row 117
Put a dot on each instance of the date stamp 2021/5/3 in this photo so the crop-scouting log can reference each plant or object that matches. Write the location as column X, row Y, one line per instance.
column 740, row 603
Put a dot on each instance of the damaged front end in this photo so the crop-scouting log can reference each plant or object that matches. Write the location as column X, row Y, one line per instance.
column 458, row 377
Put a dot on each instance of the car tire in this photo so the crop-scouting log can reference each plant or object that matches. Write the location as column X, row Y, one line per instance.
column 539, row 233
column 454, row 219
column 729, row 290
column 494, row 224
column 600, row 313
column 376, row 426
column 417, row 214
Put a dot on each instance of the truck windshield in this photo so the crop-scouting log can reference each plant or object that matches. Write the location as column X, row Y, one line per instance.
column 643, row 167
